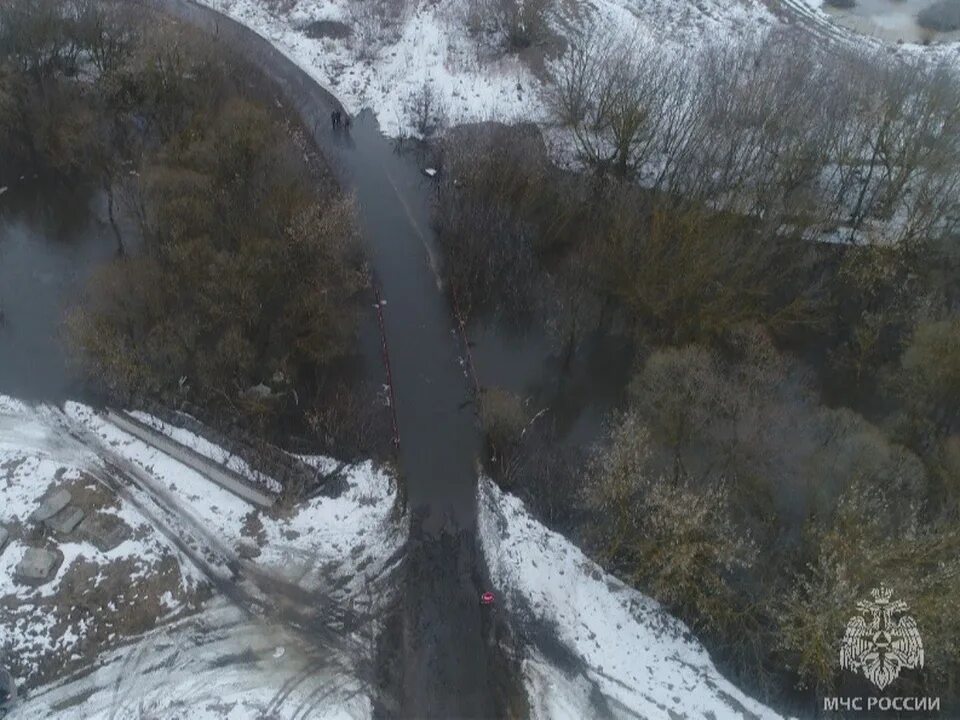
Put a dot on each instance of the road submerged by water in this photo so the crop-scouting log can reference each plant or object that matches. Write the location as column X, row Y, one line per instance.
column 446, row 659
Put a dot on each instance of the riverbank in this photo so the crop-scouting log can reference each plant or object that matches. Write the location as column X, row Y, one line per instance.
column 134, row 564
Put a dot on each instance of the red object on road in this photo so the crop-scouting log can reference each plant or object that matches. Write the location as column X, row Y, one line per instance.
column 487, row 598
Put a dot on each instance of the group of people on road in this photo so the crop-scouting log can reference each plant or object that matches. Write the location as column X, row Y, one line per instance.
column 339, row 119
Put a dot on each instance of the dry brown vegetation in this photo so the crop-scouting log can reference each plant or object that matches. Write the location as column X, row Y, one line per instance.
column 791, row 438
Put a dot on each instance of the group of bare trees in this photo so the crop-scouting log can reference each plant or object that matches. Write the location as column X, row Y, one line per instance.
column 754, row 494
column 781, row 129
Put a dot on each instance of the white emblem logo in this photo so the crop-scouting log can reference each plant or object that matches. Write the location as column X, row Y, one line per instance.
column 881, row 640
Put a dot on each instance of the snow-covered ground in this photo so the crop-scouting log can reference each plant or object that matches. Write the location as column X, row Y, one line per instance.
column 428, row 43
column 320, row 539
column 381, row 66
column 47, row 628
column 217, row 665
column 341, row 546
column 208, row 450
column 599, row 647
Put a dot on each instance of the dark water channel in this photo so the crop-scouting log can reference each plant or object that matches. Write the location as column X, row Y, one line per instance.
column 51, row 240
column 444, row 664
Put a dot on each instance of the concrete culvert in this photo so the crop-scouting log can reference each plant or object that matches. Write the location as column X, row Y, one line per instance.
column 51, row 505
column 38, row 566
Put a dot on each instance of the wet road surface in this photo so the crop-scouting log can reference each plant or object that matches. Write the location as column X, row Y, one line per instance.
column 445, row 657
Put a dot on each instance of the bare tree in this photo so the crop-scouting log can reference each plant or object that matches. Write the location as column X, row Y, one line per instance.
column 607, row 91
column 426, row 111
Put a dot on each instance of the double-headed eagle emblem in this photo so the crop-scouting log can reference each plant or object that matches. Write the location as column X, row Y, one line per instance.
column 881, row 640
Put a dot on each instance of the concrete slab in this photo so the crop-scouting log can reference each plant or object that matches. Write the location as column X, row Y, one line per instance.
column 53, row 504
column 65, row 521
column 38, row 566
column 105, row 531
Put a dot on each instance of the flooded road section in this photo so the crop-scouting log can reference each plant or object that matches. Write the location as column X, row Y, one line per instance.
column 445, row 657
column 50, row 241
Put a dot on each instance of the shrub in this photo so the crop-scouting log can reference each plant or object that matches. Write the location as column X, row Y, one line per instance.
column 673, row 538
column 503, row 418
column 877, row 536
column 942, row 16
column 247, row 275
column 931, row 368
column 426, row 111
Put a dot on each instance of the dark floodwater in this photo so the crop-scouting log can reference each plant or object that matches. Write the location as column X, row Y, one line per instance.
column 51, row 239
column 576, row 399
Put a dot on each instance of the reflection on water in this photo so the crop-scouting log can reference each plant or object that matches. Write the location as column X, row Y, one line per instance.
column 892, row 20
column 578, row 396
column 50, row 241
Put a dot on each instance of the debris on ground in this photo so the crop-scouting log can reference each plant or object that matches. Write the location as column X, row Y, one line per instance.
column 37, row 566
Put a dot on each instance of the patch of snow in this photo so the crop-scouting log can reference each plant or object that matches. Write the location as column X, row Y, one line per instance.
column 622, row 644
column 209, row 450
column 349, row 536
column 382, row 66
column 427, row 45
column 341, row 544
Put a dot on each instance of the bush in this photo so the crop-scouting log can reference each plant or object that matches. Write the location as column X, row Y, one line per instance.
column 247, row 276
column 495, row 195
column 522, row 22
column 878, row 535
column 673, row 538
column 931, row 369
column 690, row 275
column 426, row 111
column 503, row 418
column 942, row 16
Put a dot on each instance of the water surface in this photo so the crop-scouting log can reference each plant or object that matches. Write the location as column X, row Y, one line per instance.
column 891, row 20
column 51, row 240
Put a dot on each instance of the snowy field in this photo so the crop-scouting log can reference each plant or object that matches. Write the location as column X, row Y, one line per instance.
column 382, row 66
column 599, row 648
column 344, row 546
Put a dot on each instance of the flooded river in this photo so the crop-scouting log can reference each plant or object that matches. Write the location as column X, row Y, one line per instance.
column 51, row 239
column 890, row 20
